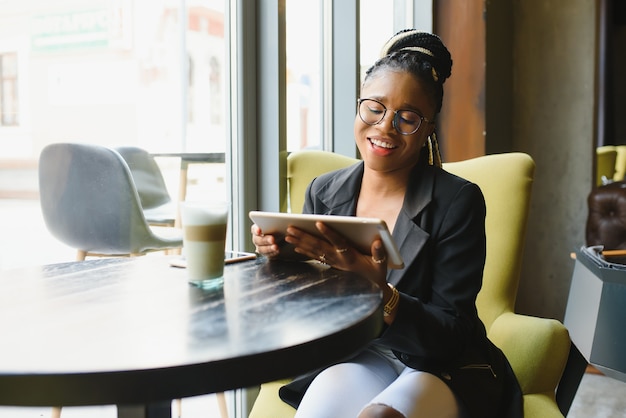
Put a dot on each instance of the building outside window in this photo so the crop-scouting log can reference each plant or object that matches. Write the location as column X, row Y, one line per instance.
column 8, row 90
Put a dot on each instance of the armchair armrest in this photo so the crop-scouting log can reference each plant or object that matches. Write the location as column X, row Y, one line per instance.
column 537, row 349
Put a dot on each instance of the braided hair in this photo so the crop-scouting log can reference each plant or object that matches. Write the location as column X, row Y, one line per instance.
column 423, row 55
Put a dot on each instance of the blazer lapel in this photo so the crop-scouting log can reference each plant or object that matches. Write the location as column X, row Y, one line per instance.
column 408, row 235
column 339, row 195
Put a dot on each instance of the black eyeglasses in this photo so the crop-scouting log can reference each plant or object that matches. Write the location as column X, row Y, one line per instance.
column 406, row 122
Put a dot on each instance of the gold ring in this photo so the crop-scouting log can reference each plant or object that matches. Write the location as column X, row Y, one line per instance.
column 322, row 258
column 382, row 260
column 341, row 250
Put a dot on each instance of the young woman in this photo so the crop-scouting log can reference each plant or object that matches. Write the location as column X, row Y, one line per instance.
column 433, row 358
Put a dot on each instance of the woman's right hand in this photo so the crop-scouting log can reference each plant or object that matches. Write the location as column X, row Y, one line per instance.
column 266, row 245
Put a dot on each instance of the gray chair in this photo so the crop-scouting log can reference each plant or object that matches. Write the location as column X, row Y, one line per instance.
column 89, row 202
column 158, row 206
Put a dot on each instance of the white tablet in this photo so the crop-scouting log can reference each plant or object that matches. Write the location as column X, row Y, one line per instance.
column 360, row 231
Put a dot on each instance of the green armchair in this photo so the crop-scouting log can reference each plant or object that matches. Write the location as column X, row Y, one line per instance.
column 538, row 348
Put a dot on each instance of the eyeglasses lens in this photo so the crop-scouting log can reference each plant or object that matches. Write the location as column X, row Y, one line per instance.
column 373, row 112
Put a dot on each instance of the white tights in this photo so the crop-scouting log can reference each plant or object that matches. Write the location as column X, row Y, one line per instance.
column 375, row 376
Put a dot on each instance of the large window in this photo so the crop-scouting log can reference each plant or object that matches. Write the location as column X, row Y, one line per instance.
column 310, row 39
column 194, row 76
column 117, row 72
column 157, row 73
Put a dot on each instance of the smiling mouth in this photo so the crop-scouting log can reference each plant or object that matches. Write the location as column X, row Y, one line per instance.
column 382, row 144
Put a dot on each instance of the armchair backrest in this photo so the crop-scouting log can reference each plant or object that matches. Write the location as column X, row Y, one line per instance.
column 304, row 166
column 620, row 163
column 606, row 159
column 147, row 176
column 506, row 182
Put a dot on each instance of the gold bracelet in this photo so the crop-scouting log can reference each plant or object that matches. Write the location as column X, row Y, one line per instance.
column 392, row 302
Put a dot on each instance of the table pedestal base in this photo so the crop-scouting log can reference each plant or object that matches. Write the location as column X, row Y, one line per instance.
column 154, row 410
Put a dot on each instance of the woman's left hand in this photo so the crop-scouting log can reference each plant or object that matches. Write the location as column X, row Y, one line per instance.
column 337, row 252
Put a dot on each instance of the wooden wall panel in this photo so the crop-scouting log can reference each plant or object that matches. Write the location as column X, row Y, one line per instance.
column 461, row 125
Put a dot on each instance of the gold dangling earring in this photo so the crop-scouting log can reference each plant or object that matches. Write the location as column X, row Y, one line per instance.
column 430, row 151
column 435, row 151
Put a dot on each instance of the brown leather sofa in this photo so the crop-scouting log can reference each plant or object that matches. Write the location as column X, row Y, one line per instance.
column 606, row 219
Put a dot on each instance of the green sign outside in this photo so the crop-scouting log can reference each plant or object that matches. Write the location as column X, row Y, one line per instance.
column 80, row 29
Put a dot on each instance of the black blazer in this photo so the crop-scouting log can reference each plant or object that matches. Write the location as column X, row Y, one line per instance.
column 440, row 233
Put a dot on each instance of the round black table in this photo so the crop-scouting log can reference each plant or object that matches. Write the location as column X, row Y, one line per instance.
column 132, row 331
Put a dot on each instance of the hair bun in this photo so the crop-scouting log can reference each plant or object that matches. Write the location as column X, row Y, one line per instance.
column 428, row 45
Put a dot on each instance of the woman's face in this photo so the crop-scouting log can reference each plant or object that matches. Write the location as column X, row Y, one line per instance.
column 382, row 147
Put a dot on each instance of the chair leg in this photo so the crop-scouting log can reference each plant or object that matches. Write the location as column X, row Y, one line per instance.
column 221, row 403
column 81, row 255
column 56, row 412
column 179, row 408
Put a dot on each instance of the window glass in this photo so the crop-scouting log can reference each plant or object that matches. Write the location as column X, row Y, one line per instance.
column 145, row 72
column 376, row 28
column 149, row 73
column 378, row 24
column 305, row 63
column 303, row 29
